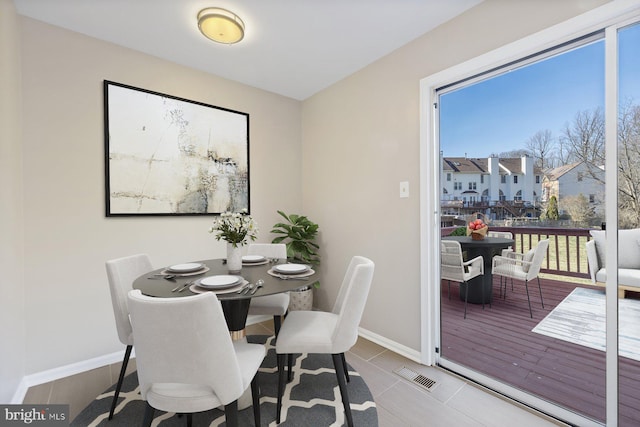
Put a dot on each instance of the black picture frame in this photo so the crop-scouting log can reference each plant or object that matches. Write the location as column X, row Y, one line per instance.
column 170, row 156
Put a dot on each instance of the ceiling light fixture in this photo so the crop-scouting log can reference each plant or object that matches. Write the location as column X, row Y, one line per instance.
column 220, row 25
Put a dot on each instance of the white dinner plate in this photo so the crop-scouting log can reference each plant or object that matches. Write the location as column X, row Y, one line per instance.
column 185, row 268
column 253, row 258
column 219, row 282
column 291, row 268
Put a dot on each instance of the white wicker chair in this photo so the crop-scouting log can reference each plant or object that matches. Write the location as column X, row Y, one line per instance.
column 521, row 266
column 454, row 268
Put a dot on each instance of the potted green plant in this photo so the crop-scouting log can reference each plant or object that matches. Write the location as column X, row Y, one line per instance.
column 299, row 234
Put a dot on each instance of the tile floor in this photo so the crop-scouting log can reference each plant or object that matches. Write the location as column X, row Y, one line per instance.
column 451, row 402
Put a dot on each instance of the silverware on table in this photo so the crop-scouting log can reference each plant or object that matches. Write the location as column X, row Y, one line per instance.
column 285, row 277
column 259, row 284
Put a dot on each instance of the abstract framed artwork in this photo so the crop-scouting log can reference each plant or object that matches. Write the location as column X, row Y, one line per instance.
column 166, row 155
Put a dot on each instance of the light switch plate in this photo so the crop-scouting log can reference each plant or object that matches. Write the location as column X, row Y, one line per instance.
column 404, row 189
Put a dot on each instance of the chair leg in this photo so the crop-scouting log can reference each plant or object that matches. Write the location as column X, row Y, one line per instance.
column 281, row 383
column 189, row 420
column 289, row 368
column 337, row 362
column 540, row 289
column 125, row 362
column 148, row 415
column 277, row 322
column 231, row 414
column 255, row 395
column 526, row 286
column 346, row 370
column 466, row 295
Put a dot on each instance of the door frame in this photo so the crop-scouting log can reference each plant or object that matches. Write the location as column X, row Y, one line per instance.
column 609, row 17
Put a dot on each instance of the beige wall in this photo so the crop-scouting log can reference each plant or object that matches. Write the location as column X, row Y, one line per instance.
column 361, row 138
column 337, row 157
column 67, row 237
column 12, row 331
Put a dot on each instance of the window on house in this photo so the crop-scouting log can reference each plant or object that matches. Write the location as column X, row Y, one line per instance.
column 515, row 179
column 537, row 179
column 457, row 186
column 592, row 198
column 481, row 179
column 503, row 179
column 448, row 177
column 472, row 185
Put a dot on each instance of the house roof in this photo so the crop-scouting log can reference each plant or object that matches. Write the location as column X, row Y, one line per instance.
column 555, row 173
column 481, row 165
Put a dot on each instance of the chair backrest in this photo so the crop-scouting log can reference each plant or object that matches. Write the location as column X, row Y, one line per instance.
column 451, row 262
column 121, row 273
column 539, row 253
column 184, row 340
column 349, row 305
column 268, row 250
column 502, row 234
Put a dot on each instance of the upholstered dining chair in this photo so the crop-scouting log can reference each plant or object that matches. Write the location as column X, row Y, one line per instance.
column 121, row 273
column 272, row 305
column 327, row 332
column 453, row 268
column 186, row 359
column 521, row 266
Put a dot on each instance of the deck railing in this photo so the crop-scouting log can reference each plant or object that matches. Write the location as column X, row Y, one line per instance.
column 567, row 254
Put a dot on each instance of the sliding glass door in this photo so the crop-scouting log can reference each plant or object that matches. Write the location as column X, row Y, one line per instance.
column 545, row 147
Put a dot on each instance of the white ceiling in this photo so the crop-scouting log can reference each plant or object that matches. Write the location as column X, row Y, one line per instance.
column 291, row 47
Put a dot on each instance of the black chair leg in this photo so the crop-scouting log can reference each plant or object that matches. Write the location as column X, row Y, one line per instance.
column 281, row 384
column 277, row 322
column 125, row 362
column 255, row 395
column 540, row 289
column 290, row 367
column 526, row 286
column 466, row 295
column 189, row 420
column 346, row 370
column 231, row 414
column 337, row 362
column 148, row 415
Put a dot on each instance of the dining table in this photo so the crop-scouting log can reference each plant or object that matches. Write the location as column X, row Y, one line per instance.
column 160, row 283
column 487, row 248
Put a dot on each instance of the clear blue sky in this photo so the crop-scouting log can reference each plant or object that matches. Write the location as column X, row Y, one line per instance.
column 502, row 113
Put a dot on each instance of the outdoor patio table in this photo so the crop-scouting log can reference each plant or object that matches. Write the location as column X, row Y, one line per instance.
column 488, row 248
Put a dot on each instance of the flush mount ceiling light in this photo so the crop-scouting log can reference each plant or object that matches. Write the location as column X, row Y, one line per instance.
column 220, row 25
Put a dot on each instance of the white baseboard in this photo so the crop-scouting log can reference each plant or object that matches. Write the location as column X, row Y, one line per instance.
column 108, row 359
column 65, row 371
column 402, row 350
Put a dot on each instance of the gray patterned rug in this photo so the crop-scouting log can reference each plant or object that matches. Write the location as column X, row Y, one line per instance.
column 580, row 319
column 311, row 399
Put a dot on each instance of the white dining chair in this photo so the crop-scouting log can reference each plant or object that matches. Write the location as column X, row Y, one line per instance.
column 454, row 268
column 327, row 332
column 121, row 273
column 521, row 266
column 272, row 305
column 186, row 359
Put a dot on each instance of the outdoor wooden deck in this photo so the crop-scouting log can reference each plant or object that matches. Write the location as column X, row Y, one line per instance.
column 498, row 341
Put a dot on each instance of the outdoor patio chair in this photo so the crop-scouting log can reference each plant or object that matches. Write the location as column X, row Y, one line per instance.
column 454, row 268
column 521, row 266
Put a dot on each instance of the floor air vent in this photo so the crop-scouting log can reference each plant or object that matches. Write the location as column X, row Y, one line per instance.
column 415, row 377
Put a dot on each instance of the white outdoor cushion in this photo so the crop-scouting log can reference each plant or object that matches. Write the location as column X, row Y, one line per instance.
column 528, row 257
column 628, row 247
